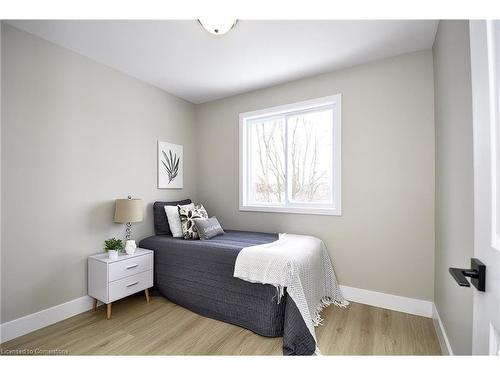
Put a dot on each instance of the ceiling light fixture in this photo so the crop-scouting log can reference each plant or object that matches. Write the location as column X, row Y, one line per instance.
column 217, row 27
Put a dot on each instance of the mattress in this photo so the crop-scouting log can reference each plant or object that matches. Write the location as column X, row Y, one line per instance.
column 198, row 275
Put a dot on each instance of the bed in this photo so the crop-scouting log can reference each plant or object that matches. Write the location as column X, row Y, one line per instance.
column 198, row 275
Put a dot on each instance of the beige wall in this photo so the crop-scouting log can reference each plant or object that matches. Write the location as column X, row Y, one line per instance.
column 75, row 136
column 454, row 179
column 384, row 241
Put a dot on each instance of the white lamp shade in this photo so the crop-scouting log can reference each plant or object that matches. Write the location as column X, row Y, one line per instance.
column 128, row 210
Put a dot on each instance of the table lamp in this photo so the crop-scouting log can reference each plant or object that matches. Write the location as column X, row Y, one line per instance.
column 128, row 211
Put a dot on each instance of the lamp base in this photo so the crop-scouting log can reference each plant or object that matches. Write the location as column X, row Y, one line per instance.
column 128, row 231
column 130, row 247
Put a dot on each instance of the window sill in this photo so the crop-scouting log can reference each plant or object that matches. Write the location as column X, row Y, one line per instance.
column 294, row 210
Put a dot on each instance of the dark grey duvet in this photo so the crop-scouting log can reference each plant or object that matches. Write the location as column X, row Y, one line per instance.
column 199, row 276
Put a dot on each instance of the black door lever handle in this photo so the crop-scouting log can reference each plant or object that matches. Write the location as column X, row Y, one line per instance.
column 459, row 276
column 477, row 274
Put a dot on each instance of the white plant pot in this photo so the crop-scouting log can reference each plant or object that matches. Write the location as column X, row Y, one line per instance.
column 112, row 254
column 130, row 247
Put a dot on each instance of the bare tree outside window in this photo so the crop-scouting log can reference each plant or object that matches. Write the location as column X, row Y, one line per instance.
column 305, row 142
column 290, row 158
column 268, row 161
column 310, row 156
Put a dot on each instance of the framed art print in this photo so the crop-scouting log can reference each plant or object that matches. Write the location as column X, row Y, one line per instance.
column 170, row 166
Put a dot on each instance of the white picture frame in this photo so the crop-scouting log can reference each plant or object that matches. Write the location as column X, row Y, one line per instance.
column 170, row 166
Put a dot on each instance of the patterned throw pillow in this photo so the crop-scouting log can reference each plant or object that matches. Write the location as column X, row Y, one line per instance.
column 187, row 216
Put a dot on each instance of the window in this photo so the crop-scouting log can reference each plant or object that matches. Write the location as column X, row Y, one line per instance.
column 290, row 158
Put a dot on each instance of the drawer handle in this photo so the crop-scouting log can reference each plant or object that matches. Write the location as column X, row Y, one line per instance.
column 129, row 285
column 130, row 267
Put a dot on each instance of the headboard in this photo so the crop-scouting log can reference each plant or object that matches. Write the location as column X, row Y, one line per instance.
column 160, row 218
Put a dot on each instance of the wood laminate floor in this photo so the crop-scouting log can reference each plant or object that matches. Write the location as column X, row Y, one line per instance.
column 164, row 328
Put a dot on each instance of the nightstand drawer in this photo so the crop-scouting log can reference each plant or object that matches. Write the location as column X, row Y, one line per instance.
column 130, row 285
column 128, row 267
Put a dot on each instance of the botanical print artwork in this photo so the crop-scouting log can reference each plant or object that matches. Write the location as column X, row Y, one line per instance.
column 170, row 165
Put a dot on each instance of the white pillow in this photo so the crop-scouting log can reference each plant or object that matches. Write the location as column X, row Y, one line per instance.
column 174, row 220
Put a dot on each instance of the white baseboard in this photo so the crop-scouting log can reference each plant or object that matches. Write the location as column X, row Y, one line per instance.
column 29, row 323
column 388, row 301
column 441, row 333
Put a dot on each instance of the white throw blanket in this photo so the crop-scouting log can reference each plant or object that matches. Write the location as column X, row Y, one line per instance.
column 300, row 264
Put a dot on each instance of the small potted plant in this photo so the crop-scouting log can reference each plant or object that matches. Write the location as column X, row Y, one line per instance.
column 112, row 246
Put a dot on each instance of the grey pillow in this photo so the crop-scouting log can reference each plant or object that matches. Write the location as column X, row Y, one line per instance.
column 208, row 228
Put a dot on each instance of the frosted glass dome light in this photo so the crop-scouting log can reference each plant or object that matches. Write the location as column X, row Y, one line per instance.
column 217, row 27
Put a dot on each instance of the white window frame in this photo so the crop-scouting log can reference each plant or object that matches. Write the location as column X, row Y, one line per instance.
column 334, row 208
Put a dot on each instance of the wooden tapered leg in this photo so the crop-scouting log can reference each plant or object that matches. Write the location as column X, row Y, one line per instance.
column 146, row 291
column 108, row 311
column 94, row 305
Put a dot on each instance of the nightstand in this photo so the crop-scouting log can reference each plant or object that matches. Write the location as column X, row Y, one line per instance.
column 112, row 279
